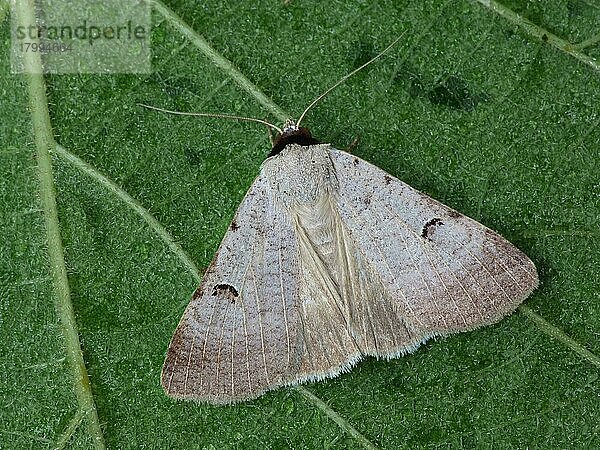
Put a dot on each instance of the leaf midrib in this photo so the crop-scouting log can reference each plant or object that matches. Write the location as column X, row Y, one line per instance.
column 44, row 142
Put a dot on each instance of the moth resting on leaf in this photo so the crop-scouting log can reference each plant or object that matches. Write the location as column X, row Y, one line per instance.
column 327, row 260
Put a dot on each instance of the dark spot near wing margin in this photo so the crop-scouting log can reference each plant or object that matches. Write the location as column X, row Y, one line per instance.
column 427, row 228
column 226, row 291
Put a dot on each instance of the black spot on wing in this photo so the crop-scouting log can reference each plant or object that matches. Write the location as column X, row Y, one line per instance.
column 226, row 291
column 429, row 227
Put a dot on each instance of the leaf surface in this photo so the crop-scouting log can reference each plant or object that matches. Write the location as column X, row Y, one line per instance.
column 473, row 107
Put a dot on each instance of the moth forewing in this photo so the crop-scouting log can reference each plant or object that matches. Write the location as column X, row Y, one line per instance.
column 450, row 272
column 230, row 347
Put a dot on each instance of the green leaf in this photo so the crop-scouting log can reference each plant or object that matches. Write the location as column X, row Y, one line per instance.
column 491, row 108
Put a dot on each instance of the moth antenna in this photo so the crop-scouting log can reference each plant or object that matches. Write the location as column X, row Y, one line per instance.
column 217, row 116
column 320, row 97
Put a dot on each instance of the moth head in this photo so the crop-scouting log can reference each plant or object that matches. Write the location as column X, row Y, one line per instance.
column 291, row 134
column 289, row 127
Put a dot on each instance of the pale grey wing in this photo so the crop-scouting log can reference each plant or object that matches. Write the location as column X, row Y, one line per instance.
column 239, row 336
column 423, row 268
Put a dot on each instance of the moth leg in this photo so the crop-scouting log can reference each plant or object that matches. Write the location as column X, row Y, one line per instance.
column 271, row 138
column 353, row 144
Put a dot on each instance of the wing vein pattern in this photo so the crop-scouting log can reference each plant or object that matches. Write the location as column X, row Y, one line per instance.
column 329, row 259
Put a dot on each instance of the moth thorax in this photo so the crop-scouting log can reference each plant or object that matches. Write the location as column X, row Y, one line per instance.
column 301, row 175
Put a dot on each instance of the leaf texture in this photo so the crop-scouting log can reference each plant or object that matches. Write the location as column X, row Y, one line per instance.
column 474, row 108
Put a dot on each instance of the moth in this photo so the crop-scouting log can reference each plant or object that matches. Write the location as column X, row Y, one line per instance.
column 330, row 259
